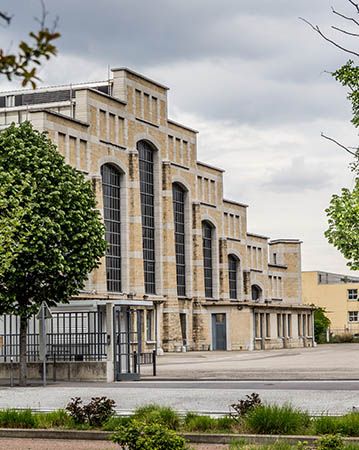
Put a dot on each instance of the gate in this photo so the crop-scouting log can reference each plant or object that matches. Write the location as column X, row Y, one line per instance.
column 127, row 330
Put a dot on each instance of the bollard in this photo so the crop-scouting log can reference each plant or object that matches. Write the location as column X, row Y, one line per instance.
column 154, row 355
column 11, row 372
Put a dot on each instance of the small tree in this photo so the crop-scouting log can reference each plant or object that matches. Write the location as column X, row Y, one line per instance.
column 51, row 235
column 321, row 324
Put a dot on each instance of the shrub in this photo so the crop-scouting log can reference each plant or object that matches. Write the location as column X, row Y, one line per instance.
column 54, row 419
column 162, row 415
column 148, row 436
column 347, row 425
column 245, row 405
column 12, row 418
column 342, row 338
column 115, row 422
column 95, row 413
column 331, row 442
column 274, row 419
column 195, row 422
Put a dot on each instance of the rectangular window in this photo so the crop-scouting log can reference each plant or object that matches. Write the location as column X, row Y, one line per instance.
column 353, row 316
column 268, row 325
column 279, row 326
column 10, row 101
column 274, row 258
column 353, row 294
column 178, row 194
column 150, row 324
column 207, row 259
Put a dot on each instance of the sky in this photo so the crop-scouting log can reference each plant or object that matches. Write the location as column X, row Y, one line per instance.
column 249, row 75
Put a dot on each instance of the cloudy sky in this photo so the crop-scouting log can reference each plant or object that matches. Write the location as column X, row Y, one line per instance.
column 249, row 75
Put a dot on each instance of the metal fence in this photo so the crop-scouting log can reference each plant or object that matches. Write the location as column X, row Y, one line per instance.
column 71, row 336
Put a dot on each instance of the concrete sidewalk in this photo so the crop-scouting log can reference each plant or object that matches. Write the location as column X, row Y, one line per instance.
column 324, row 362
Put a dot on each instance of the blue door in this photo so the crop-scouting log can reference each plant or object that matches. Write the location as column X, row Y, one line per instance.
column 219, row 331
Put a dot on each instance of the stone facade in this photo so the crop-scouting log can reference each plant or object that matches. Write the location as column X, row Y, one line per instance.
column 102, row 123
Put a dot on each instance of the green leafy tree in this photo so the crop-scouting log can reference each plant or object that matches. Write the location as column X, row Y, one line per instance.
column 321, row 324
column 30, row 54
column 343, row 210
column 51, row 234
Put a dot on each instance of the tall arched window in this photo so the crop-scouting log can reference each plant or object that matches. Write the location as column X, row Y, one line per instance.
column 146, row 163
column 111, row 185
column 179, row 221
column 233, row 276
column 256, row 292
column 207, row 232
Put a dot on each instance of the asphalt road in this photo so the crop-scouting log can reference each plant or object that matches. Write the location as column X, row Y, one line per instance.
column 317, row 397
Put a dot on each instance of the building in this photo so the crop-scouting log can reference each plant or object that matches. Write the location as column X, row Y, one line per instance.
column 181, row 268
column 338, row 295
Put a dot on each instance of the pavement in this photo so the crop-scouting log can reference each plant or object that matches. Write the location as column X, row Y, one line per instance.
column 321, row 380
column 324, row 362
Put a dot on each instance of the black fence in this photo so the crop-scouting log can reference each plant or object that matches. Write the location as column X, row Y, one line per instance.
column 71, row 336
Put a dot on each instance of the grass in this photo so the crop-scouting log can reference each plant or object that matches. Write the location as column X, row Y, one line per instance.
column 195, row 422
column 158, row 414
column 54, row 419
column 12, row 418
column 274, row 419
column 114, row 422
column 347, row 425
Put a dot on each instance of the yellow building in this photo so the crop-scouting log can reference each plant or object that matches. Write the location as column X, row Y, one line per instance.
column 180, row 256
column 338, row 294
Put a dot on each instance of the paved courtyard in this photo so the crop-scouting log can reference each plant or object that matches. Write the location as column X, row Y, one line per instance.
column 324, row 362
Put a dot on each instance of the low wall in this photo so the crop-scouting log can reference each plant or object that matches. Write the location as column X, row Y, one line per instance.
column 60, row 371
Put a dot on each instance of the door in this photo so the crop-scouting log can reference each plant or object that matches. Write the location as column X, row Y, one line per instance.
column 127, row 329
column 219, row 332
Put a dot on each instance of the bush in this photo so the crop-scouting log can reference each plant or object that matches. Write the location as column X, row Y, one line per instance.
column 12, row 418
column 195, row 422
column 115, row 422
column 342, row 338
column 274, row 419
column 330, row 442
column 347, row 425
column 148, row 436
column 162, row 415
column 95, row 413
column 54, row 419
column 245, row 405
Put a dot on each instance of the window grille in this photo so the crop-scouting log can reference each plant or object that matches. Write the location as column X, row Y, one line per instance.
column 353, row 316
column 353, row 294
column 111, row 185
column 179, row 222
column 146, row 164
column 232, row 276
column 207, row 259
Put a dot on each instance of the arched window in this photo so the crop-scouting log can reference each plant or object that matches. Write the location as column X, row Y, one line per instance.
column 111, row 186
column 179, row 221
column 207, row 234
column 233, row 276
column 256, row 292
column 146, row 163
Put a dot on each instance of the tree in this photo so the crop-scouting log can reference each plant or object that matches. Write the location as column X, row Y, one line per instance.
column 343, row 210
column 51, row 234
column 321, row 324
column 24, row 61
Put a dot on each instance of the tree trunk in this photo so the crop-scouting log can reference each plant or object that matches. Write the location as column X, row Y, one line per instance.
column 23, row 366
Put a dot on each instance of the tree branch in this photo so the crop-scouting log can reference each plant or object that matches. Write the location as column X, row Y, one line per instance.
column 6, row 17
column 339, row 144
column 356, row 5
column 318, row 30
column 351, row 19
column 344, row 31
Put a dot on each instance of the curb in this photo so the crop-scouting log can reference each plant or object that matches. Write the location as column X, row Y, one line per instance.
column 194, row 438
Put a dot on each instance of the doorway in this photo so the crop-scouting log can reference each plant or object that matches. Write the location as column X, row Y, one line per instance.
column 219, row 331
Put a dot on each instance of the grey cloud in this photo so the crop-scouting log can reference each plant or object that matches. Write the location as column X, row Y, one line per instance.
column 298, row 176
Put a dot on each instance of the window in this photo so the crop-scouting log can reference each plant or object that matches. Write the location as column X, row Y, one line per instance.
column 111, row 185
column 256, row 292
column 279, row 325
column 150, row 324
column 353, row 316
column 10, row 101
column 207, row 259
column 274, row 258
column 268, row 333
column 179, row 222
column 353, row 294
column 232, row 276
column 146, row 163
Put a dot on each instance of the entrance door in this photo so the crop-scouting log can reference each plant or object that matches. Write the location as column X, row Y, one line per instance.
column 219, row 332
column 127, row 329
